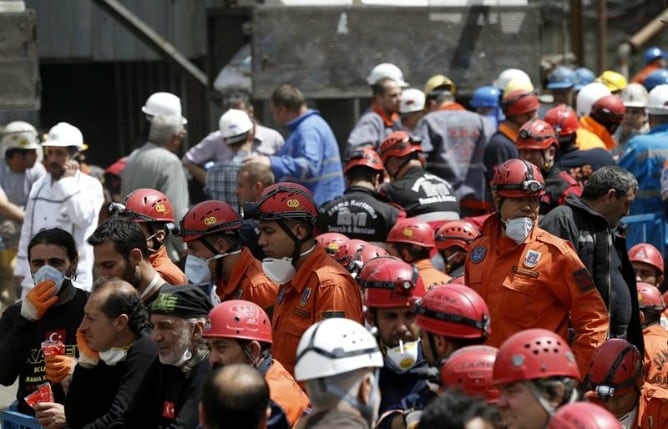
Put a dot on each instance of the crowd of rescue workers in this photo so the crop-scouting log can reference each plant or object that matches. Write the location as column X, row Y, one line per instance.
column 499, row 266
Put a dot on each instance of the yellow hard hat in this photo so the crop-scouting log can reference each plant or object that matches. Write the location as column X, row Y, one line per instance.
column 516, row 84
column 439, row 80
column 614, row 81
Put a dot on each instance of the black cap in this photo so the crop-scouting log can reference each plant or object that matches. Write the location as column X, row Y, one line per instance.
column 182, row 301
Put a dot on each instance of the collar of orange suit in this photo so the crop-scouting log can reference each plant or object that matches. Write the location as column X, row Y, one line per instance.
column 451, row 106
column 387, row 121
column 508, row 131
column 590, row 123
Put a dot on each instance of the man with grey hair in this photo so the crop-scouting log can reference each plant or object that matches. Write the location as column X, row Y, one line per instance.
column 589, row 222
column 156, row 166
column 172, row 384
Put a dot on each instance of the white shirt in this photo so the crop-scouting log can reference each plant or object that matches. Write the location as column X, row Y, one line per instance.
column 71, row 203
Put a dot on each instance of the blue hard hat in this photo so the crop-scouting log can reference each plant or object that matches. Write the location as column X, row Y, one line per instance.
column 561, row 78
column 657, row 77
column 653, row 53
column 583, row 76
column 486, row 96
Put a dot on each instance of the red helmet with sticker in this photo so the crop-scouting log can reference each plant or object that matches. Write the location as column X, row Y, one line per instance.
column 517, row 178
column 412, row 231
column 519, row 102
column 331, row 241
column 532, row 354
column 454, row 311
column 364, row 157
column 563, row 119
column 239, row 319
column 470, row 369
column 456, row 233
column 649, row 297
column 355, row 253
column 583, row 415
column 399, row 144
column 147, row 205
column 536, row 134
column 609, row 109
column 647, row 254
column 283, row 200
column 387, row 281
column 209, row 217
column 615, row 368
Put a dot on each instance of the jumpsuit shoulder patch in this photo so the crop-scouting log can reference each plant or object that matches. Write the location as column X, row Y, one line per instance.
column 478, row 254
column 583, row 280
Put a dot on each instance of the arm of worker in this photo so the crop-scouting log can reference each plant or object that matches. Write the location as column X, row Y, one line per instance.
column 197, row 171
column 368, row 132
column 10, row 210
column 15, row 336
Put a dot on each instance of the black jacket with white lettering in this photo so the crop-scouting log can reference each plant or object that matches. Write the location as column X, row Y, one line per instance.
column 359, row 213
column 419, row 192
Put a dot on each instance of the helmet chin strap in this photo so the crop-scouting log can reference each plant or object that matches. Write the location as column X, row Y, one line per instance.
column 298, row 243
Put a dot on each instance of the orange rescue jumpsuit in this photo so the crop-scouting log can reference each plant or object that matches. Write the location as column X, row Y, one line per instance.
column 166, row 268
column 284, row 390
column 431, row 277
column 656, row 355
column 320, row 289
column 536, row 284
column 248, row 282
column 589, row 124
column 586, row 140
column 652, row 407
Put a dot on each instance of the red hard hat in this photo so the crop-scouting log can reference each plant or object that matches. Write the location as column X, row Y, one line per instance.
column 354, row 254
column 412, row 231
column 649, row 297
column 387, row 281
column 459, row 233
column 615, row 368
column 399, row 144
column 239, row 319
column 208, row 217
column 609, row 109
column 532, row 354
column 283, row 200
column 364, row 157
column 470, row 369
column 536, row 134
column 455, row 311
column 563, row 119
column 519, row 102
column 517, row 178
column 148, row 205
column 583, row 415
column 331, row 241
column 647, row 254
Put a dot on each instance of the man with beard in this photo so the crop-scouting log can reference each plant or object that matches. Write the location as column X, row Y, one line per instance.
column 65, row 198
column 121, row 251
column 239, row 332
column 172, row 387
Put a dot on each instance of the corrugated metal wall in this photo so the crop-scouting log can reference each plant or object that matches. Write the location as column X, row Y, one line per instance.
column 80, row 30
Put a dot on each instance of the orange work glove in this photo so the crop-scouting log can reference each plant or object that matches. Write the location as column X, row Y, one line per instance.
column 38, row 300
column 58, row 367
column 88, row 358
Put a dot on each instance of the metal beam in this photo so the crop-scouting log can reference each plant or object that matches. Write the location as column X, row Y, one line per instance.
column 154, row 40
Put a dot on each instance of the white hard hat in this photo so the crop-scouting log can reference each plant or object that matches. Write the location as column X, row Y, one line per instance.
column 507, row 75
column 588, row 95
column 635, row 95
column 412, row 100
column 19, row 135
column 63, row 135
column 335, row 346
column 386, row 70
column 657, row 104
column 234, row 125
column 163, row 103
